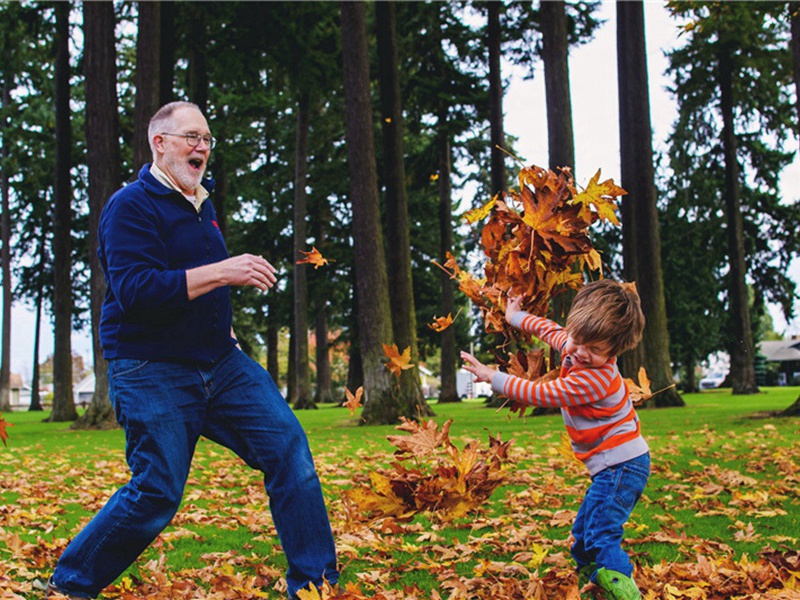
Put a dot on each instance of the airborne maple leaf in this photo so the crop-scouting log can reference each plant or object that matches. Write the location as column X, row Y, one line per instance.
column 641, row 393
column 600, row 196
column 353, row 400
column 476, row 214
column 313, row 257
column 3, row 425
column 397, row 362
column 441, row 323
column 424, row 438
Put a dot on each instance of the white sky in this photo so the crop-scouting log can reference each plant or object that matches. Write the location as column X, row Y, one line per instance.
column 595, row 125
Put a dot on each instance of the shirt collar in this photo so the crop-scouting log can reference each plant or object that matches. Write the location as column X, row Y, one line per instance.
column 200, row 193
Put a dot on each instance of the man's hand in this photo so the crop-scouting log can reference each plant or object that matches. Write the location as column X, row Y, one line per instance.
column 513, row 305
column 477, row 368
column 242, row 270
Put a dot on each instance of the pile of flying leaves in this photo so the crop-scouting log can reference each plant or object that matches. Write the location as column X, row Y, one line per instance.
column 541, row 251
column 454, row 484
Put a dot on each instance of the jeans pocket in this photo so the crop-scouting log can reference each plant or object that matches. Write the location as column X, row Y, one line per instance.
column 629, row 486
column 120, row 367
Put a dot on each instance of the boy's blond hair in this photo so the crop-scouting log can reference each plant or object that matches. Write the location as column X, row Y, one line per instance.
column 606, row 312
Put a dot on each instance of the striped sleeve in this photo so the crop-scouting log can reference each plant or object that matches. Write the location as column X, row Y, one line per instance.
column 578, row 388
column 548, row 331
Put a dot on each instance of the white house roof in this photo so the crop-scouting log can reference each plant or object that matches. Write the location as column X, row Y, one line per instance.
column 780, row 350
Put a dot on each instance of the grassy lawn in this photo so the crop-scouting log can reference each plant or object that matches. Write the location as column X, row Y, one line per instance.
column 722, row 509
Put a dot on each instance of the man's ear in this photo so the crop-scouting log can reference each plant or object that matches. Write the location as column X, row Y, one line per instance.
column 158, row 143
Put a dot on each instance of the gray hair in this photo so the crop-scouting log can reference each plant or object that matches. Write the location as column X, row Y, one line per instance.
column 162, row 120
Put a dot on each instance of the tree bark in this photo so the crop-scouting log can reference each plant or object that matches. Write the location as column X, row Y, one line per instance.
column 36, row 400
column 324, row 389
column 743, row 375
column 63, row 401
column 448, row 391
column 494, row 34
column 304, row 397
column 794, row 16
column 555, row 52
column 103, row 160
column 167, row 45
column 401, row 288
column 638, row 178
column 5, row 233
column 381, row 400
column 148, row 78
column 272, row 343
column 791, row 411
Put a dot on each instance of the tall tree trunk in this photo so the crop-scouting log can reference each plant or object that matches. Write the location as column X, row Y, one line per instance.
column 198, row 63
column 791, row 411
column 103, row 160
column 291, row 367
column 5, row 234
column 401, row 287
column 560, row 138
column 63, row 401
column 167, row 44
column 272, row 343
column 302, row 373
column 148, row 78
column 496, row 99
column 690, row 384
column 448, row 391
column 36, row 400
column 638, row 178
column 743, row 374
column 324, row 389
column 555, row 45
column 794, row 16
column 355, row 368
column 381, row 400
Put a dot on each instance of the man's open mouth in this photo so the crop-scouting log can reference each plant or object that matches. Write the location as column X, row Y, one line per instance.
column 196, row 163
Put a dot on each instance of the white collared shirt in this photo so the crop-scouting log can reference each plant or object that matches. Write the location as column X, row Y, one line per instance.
column 196, row 200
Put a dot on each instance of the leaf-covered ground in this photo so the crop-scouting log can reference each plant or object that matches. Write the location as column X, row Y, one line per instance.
column 720, row 518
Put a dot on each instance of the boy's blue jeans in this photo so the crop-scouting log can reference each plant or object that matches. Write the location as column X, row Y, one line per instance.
column 606, row 507
column 164, row 408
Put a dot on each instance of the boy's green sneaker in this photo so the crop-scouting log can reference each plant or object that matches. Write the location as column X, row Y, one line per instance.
column 616, row 585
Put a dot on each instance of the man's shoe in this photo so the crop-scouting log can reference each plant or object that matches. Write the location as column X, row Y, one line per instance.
column 616, row 585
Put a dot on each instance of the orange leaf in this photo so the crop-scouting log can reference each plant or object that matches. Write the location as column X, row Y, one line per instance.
column 424, row 439
column 3, row 425
column 353, row 401
column 441, row 323
column 397, row 362
column 639, row 393
column 313, row 257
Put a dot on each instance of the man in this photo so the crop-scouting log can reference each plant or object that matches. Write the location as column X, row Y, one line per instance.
column 176, row 372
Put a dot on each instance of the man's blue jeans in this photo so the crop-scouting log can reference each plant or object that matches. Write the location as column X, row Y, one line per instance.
column 606, row 507
column 164, row 408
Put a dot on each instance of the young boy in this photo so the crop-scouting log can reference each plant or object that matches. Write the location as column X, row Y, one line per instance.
column 605, row 320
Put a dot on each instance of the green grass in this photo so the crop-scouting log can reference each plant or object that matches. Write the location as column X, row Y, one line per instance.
column 716, row 470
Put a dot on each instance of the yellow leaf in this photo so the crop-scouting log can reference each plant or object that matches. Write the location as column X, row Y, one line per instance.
column 476, row 214
column 600, row 196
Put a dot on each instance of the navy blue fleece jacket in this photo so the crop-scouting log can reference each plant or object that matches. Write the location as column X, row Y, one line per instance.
column 149, row 236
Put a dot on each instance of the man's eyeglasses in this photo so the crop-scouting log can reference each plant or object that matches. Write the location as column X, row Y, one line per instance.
column 193, row 139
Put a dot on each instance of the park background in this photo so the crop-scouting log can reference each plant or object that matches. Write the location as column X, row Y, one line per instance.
column 719, row 519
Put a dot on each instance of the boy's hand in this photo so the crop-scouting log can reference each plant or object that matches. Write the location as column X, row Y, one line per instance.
column 513, row 305
column 477, row 368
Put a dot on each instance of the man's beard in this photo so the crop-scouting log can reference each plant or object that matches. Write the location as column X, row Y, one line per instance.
column 183, row 173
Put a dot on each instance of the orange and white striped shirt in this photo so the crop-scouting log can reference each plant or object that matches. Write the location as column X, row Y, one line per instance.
column 595, row 405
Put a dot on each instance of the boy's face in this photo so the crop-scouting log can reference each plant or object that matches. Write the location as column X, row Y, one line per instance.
column 587, row 356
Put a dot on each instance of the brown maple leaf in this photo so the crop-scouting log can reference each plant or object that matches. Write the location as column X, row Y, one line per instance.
column 313, row 257
column 424, row 438
column 397, row 362
column 353, row 401
column 3, row 425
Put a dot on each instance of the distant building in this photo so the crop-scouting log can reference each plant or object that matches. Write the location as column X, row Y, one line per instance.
column 786, row 353
column 20, row 394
